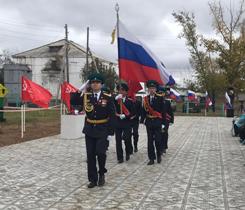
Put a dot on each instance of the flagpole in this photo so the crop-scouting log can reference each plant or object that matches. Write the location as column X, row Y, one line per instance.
column 117, row 11
column 22, row 130
column 24, row 117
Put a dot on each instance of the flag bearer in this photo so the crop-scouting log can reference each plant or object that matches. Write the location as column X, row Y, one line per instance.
column 153, row 116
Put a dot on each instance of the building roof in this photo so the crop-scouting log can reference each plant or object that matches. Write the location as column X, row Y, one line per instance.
column 16, row 67
column 57, row 48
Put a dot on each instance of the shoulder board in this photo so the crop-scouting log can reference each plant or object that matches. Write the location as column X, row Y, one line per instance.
column 109, row 95
column 88, row 93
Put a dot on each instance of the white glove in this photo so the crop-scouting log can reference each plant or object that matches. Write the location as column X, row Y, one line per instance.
column 109, row 138
column 122, row 116
column 118, row 96
column 76, row 112
column 163, row 126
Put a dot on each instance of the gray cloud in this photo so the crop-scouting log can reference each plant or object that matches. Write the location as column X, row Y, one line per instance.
column 25, row 24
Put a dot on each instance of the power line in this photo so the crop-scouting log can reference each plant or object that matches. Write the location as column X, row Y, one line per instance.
column 34, row 26
column 28, row 33
column 7, row 36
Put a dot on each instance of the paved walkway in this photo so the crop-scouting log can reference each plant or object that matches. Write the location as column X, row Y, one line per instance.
column 203, row 169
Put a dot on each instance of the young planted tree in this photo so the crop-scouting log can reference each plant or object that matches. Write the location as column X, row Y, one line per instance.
column 108, row 72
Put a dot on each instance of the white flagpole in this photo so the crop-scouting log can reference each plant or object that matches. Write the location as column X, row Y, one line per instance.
column 24, row 117
column 22, row 130
column 64, row 110
column 60, row 108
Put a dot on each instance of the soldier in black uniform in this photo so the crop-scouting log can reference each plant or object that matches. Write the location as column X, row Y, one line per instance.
column 124, row 111
column 135, row 122
column 169, row 116
column 100, row 109
column 111, row 132
column 153, row 115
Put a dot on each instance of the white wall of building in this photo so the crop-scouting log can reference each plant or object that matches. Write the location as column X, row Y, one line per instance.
column 75, row 67
column 52, row 84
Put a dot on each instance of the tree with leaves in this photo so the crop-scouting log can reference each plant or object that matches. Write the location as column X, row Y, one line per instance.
column 206, row 72
column 108, row 72
column 231, row 47
column 218, row 64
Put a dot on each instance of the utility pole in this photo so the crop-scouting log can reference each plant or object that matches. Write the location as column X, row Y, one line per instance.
column 66, row 54
column 87, row 51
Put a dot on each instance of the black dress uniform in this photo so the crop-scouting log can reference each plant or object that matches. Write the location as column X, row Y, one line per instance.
column 169, row 118
column 111, row 132
column 135, row 123
column 99, row 110
column 123, row 126
column 153, row 124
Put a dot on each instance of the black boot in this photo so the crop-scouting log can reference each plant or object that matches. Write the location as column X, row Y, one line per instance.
column 120, row 161
column 127, row 157
column 135, row 149
column 151, row 162
column 101, row 181
column 159, row 159
column 92, row 185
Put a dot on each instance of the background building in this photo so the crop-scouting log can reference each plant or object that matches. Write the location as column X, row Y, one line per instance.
column 47, row 63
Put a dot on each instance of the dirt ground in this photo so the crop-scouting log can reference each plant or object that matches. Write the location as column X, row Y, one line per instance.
column 11, row 134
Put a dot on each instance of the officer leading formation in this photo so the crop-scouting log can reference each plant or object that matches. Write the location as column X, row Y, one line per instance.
column 107, row 114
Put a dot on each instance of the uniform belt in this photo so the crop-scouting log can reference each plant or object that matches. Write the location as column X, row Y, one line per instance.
column 97, row 121
column 152, row 116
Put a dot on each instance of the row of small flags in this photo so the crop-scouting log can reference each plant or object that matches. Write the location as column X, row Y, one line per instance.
column 36, row 94
column 32, row 92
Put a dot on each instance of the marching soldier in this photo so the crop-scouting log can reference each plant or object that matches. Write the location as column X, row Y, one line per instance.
column 100, row 109
column 124, row 112
column 135, row 122
column 169, row 116
column 153, row 115
column 111, row 129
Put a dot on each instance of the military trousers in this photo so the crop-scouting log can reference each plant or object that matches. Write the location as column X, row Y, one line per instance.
column 154, row 145
column 123, row 134
column 96, row 152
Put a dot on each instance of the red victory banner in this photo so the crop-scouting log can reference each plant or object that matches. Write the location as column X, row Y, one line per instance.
column 66, row 90
column 32, row 92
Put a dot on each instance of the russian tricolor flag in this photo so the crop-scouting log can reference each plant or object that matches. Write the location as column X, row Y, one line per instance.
column 174, row 95
column 191, row 95
column 137, row 62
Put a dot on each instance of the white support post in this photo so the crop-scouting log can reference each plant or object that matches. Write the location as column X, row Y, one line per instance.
column 24, row 117
column 22, row 123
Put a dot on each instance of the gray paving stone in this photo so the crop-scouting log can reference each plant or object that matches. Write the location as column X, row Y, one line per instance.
column 203, row 169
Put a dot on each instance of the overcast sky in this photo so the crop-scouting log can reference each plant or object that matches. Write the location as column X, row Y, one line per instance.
column 25, row 24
